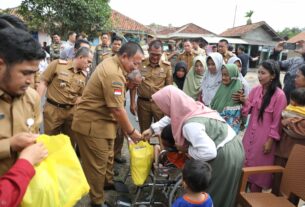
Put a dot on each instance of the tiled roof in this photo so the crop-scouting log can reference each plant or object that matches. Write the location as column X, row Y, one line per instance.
column 298, row 37
column 244, row 29
column 125, row 23
column 188, row 28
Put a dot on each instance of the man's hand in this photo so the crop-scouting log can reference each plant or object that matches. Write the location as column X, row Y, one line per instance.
column 34, row 153
column 279, row 46
column 133, row 108
column 136, row 136
column 22, row 140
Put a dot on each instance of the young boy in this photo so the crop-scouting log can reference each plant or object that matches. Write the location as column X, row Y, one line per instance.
column 196, row 177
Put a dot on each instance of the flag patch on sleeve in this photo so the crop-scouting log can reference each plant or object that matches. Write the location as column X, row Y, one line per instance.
column 117, row 92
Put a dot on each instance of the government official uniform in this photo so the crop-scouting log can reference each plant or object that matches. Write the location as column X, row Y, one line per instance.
column 155, row 78
column 95, row 126
column 55, row 49
column 14, row 113
column 65, row 85
column 101, row 53
column 187, row 58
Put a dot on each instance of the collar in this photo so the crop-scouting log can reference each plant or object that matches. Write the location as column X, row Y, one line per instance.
column 118, row 62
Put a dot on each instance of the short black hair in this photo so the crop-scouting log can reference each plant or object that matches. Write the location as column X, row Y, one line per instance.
column 230, row 48
column 155, row 44
column 117, row 38
column 130, row 48
column 78, row 43
column 17, row 45
column 224, row 40
column 83, row 51
column 298, row 96
column 302, row 69
column 7, row 20
column 71, row 33
column 197, row 175
column 167, row 135
column 242, row 48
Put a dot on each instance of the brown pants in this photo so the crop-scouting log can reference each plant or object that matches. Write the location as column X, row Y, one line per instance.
column 97, row 163
column 148, row 112
column 58, row 120
column 119, row 141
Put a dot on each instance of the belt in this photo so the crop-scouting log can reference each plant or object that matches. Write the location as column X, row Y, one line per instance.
column 64, row 106
column 145, row 99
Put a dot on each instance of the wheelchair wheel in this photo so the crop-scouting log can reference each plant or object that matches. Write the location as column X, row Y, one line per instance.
column 176, row 192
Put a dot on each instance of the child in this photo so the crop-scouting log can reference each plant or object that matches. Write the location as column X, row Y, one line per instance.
column 196, row 176
column 293, row 123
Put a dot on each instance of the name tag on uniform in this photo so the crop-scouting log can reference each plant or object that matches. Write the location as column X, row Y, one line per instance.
column 117, row 92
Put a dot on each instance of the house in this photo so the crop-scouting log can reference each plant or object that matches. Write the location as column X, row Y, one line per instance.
column 259, row 38
column 129, row 28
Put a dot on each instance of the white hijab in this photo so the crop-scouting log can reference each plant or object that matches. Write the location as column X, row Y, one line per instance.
column 211, row 82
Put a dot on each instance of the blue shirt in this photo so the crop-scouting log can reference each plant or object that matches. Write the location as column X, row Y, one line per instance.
column 185, row 201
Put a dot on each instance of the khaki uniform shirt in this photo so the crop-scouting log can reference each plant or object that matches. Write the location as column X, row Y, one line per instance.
column 187, row 58
column 227, row 56
column 13, row 116
column 105, row 89
column 100, row 52
column 199, row 51
column 155, row 78
column 64, row 83
column 55, row 49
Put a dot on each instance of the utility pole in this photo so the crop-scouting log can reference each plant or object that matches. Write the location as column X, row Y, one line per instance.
column 235, row 15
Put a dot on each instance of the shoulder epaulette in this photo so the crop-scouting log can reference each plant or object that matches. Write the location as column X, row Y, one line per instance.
column 62, row 62
column 166, row 62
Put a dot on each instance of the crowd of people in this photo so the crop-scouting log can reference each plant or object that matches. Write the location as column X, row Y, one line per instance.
column 196, row 101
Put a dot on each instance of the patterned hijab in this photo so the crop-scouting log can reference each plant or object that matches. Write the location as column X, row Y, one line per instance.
column 211, row 82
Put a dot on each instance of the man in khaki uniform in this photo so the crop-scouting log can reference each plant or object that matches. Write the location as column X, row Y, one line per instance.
column 102, row 50
column 196, row 48
column 56, row 47
column 157, row 74
column 119, row 141
column 223, row 49
column 20, row 115
column 98, row 114
column 65, row 82
column 188, row 55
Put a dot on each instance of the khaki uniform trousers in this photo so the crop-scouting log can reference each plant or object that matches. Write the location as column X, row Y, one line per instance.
column 58, row 120
column 148, row 112
column 118, row 143
column 97, row 162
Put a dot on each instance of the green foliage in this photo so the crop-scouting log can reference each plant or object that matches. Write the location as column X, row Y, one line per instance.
column 249, row 15
column 290, row 32
column 62, row 16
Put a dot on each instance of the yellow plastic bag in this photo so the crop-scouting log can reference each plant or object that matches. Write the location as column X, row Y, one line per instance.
column 59, row 180
column 141, row 157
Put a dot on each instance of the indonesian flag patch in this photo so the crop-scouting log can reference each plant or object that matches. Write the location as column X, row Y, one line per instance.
column 117, row 92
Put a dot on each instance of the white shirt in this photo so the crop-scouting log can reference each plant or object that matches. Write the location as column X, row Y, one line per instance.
column 202, row 147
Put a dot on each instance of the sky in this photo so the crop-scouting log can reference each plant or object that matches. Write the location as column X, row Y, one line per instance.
column 214, row 15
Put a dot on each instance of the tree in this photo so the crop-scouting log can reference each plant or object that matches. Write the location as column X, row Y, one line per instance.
column 290, row 32
column 62, row 16
column 249, row 15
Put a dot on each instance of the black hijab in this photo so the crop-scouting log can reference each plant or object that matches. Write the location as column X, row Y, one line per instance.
column 180, row 81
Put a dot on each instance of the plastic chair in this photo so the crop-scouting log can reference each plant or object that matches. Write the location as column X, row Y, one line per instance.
column 292, row 183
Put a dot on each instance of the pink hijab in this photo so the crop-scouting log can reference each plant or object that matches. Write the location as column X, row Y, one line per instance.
column 180, row 107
